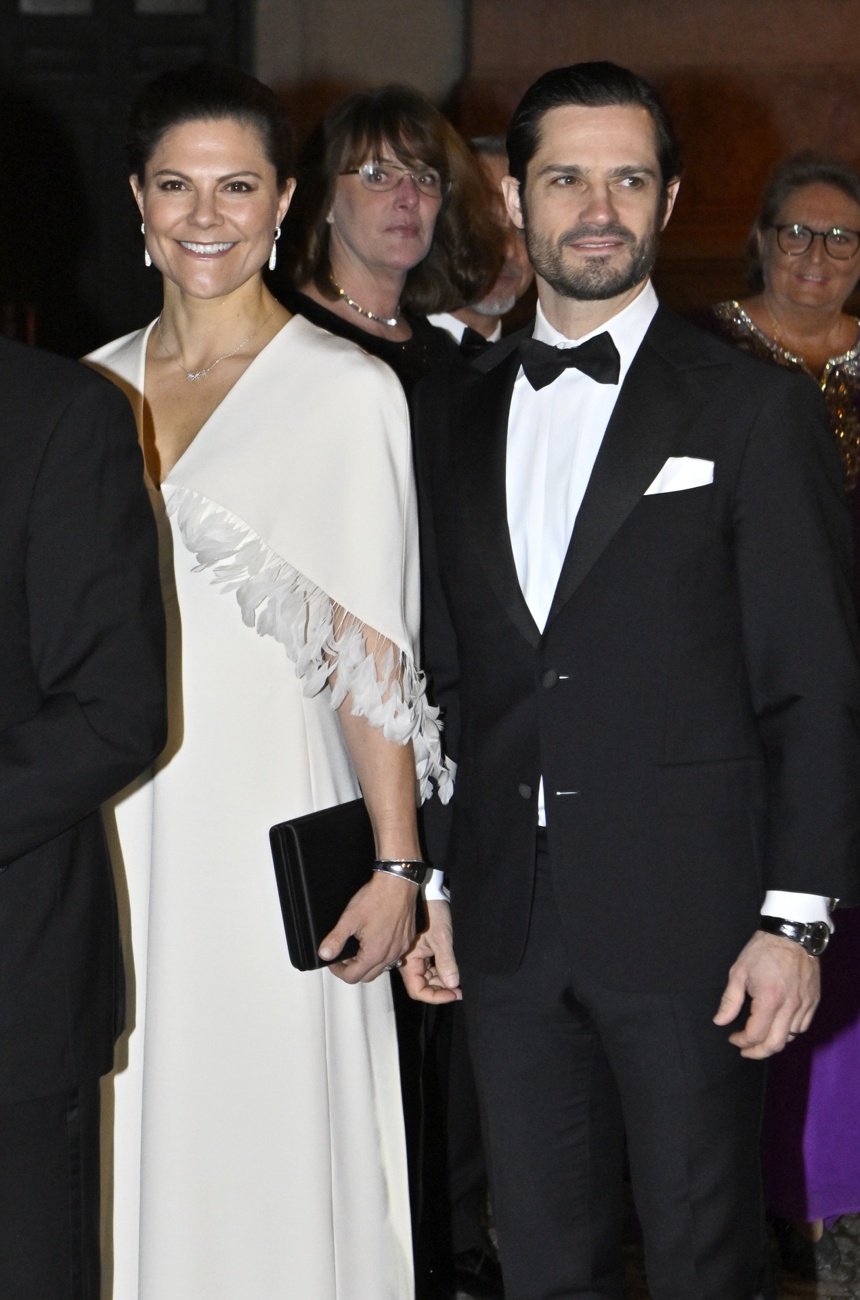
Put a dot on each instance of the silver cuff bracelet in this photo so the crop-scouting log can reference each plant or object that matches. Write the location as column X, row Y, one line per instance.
column 412, row 869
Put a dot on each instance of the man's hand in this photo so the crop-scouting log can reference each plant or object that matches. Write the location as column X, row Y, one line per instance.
column 783, row 982
column 430, row 969
column 382, row 918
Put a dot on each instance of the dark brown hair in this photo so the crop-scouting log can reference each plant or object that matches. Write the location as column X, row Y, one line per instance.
column 793, row 174
column 467, row 249
column 589, row 85
column 207, row 91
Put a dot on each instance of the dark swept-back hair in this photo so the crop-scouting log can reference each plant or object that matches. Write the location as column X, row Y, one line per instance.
column 589, row 85
column 467, row 250
column 491, row 146
column 801, row 169
column 207, row 91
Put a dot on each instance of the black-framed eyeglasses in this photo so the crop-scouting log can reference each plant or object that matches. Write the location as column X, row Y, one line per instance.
column 384, row 175
column 839, row 243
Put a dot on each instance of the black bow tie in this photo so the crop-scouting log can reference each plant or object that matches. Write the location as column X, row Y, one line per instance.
column 598, row 358
column 472, row 344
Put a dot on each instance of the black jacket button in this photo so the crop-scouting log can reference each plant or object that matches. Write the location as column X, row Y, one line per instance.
column 548, row 678
column 525, row 790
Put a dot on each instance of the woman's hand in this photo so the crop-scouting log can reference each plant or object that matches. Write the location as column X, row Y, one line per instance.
column 382, row 918
column 382, row 914
column 430, row 969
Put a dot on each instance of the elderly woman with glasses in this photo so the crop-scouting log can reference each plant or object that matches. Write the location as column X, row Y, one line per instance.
column 393, row 218
column 804, row 263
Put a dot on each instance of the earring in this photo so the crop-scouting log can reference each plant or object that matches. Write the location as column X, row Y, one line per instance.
column 147, row 260
column 273, row 256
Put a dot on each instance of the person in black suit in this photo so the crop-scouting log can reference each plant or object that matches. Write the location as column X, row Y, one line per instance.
column 638, row 618
column 82, row 712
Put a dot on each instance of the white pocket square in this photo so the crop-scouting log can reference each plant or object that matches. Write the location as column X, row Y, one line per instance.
column 680, row 473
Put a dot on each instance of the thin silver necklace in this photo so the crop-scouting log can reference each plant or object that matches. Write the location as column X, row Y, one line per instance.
column 193, row 375
column 390, row 321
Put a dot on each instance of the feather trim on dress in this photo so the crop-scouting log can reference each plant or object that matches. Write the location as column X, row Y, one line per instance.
column 321, row 638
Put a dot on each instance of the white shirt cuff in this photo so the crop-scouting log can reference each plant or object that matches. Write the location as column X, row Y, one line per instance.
column 434, row 889
column 807, row 908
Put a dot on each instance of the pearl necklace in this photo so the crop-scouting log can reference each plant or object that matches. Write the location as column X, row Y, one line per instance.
column 391, row 321
column 193, row 375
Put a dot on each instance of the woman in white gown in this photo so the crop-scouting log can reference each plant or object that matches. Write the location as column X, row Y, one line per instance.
column 270, row 1159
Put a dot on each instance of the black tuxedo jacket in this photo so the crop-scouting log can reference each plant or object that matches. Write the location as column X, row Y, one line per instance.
column 82, row 707
column 692, row 703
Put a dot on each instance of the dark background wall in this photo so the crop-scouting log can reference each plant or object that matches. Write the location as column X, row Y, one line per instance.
column 747, row 81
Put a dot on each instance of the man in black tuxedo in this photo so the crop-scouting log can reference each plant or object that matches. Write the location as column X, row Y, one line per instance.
column 638, row 619
column 82, row 712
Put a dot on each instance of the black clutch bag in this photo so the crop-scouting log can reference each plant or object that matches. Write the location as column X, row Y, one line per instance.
column 321, row 860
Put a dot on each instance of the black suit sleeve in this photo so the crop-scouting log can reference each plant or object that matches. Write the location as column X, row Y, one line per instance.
column 96, row 627
column 438, row 638
column 794, row 561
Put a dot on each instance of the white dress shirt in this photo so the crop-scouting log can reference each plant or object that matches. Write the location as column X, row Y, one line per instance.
column 445, row 320
column 554, row 435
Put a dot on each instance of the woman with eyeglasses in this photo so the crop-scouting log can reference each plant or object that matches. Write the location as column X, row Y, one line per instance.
column 392, row 219
column 804, row 264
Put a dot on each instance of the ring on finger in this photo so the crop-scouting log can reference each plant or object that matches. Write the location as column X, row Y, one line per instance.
column 395, row 965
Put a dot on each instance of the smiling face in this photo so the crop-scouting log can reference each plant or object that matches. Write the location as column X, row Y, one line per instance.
column 813, row 279
column 593, row 203
column 210, row 201
column 389, row 230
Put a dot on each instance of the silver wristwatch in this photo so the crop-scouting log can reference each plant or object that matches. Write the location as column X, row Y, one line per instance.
column 814, row 936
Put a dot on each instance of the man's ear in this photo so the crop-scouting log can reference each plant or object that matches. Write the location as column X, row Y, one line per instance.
column 671, row 195
column 511, row 192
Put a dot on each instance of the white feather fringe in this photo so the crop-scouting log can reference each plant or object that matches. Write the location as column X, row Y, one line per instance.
column 321, row 639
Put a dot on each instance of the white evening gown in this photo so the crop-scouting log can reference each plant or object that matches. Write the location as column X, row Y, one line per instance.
column 270, row 1163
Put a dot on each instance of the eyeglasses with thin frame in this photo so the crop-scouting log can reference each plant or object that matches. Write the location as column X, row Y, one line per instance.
column 839, row 243
column 383, row 175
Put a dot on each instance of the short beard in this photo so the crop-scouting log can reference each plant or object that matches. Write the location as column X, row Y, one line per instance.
column 596, row 280
column 490, row 306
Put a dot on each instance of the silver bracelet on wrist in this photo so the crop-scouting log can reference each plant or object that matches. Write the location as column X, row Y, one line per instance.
column 412, row 869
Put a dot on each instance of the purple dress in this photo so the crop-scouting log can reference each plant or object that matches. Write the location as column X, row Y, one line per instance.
column 811, row 1137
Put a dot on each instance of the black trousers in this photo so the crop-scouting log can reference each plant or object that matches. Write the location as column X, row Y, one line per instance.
column 464, row 1175
column 447, row 1173
column 565, row 1068
column 49, row 1197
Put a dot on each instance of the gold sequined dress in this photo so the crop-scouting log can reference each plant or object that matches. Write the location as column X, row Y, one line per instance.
column 839, row 381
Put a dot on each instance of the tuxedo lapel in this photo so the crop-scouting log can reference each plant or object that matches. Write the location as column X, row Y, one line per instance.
column 483, row 424
column 660, row 397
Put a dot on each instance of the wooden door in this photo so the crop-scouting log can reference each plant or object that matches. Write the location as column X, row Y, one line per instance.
column 71, row 252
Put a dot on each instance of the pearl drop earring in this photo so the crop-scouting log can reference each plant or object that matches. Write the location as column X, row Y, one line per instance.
column 273, row 256
column 147, row 260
